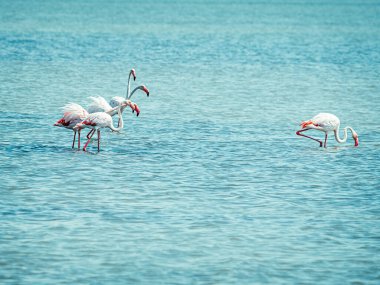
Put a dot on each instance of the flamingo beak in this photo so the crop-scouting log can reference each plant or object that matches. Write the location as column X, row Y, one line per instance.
column 137, row 109
column 133, row 74
column 356, row 138
column 146, row 91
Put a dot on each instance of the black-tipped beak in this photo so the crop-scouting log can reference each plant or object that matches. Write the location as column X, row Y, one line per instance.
column 147, row 94
column 134, row 78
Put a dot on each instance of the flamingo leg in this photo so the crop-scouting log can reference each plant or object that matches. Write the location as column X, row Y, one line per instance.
column 75, row 133
column 79, row 139
column 302, row 135
column 88, row 141
column 325, row 145
column 98, row 140
column 90, row 133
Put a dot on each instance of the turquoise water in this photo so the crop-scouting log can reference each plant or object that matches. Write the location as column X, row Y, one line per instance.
column 210, row 184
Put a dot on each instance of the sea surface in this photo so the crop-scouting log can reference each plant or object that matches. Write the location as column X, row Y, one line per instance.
column 210, row 184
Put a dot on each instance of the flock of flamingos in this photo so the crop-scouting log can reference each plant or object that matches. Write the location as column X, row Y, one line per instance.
column 100, row 112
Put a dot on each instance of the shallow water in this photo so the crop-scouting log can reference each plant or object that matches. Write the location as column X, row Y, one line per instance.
column 210, row 184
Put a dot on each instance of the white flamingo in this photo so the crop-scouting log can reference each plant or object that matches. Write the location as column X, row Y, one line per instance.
column 72, row 115
column 99, row 120
column 326, row 122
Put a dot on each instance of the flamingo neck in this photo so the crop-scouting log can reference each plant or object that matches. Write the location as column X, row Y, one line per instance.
column 134, row 90
column 121, row 122
column 344, row 139
column 129, row 85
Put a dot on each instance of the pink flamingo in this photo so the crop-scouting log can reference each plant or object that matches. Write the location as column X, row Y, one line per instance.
column 73, row 114
column 99, row 120
column 326, row 122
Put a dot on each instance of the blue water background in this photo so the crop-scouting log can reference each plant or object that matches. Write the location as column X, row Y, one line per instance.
column 210, row 185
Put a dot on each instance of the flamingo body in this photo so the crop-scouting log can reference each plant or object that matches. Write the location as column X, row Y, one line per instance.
column 323, row 121
column 97, row 120
column 116, row 101
column 99, row 104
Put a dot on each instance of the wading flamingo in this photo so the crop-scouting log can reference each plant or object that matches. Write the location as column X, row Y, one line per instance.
column 326, row 122
column 99, row 120
column 73, row 114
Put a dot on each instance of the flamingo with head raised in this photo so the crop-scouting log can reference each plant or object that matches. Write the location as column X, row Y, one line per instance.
column 326, row 123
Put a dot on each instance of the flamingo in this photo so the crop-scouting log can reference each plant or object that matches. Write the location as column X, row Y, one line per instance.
column 73, row 114
column 326, row 122
column 99, row 120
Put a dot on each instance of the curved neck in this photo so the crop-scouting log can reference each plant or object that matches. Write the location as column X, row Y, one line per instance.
column 129, row 85
column 338, row 139
column 134, row 90
column 121, row 122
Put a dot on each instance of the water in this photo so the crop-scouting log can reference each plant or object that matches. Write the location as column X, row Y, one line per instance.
column 210, row 185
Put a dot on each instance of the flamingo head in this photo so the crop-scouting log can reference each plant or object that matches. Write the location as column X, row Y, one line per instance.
column 356, row 138
column 59, row 123
column 126, row 103
column 306, row 124
column 137, row 109
column 133, row 106
column 133, row 72
column 143, row 88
